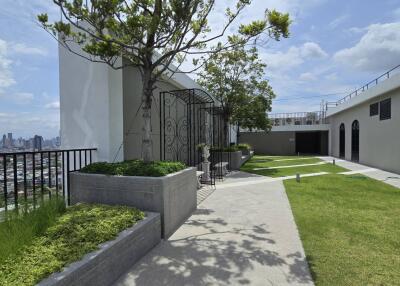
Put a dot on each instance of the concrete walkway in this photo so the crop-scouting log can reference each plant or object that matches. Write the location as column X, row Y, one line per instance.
column 377, row 174
column 240, row 235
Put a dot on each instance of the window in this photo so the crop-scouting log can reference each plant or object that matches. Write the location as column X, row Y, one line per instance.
column 374, row 109
column 385, row 107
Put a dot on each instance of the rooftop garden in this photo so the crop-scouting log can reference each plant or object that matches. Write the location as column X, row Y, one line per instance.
column 134, row 168
column 38, row 243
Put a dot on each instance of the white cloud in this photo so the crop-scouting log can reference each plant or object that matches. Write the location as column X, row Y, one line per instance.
column 23, row 97
column 294, row 56
column 21, row 48
column 53, row 105
column 307, row 76
column 378, row 49
column 6, row 77
column 338, row 21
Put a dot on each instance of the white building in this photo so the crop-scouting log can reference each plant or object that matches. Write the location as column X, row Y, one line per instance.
column 363, row 127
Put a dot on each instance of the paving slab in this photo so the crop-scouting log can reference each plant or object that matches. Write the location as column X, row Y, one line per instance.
column 377, row 174
column 239, row 235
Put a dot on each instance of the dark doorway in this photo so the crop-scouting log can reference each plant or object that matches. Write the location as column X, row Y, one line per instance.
column 312, row 142
column 342, row 141
column 355, row 141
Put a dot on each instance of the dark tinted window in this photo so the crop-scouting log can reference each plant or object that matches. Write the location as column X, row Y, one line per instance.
column 374, row 109
column 385, row 109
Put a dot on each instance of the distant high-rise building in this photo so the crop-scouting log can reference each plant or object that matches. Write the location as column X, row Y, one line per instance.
column 37, row 142
column 10, row 140
column 4, row 141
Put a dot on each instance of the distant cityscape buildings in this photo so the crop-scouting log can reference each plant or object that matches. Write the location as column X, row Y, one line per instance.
column 36, row 143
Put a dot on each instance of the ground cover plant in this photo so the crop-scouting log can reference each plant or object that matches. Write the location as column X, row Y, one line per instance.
column 74, row 233
column 350, row 228
column 134, row 168
column 268, row 166
column 19, row 229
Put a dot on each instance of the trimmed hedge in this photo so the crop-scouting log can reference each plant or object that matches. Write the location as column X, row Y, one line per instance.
column 134, row 168
column 244, row 146
column 77, row 232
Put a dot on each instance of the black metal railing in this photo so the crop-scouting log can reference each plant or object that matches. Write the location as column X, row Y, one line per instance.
column 27, row 177
column 298, row 118
column 365, row 87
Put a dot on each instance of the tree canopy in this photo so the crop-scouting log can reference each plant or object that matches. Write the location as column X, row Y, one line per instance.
column 236, row 77
column 151, row 35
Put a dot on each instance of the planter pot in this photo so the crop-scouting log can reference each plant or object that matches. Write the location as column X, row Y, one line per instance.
column 104, row 266
column 246, row 152
column 173, row 196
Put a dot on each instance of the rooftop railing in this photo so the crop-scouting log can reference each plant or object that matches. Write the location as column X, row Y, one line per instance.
column 26, row 177
column 298, row 118
column 365, row 87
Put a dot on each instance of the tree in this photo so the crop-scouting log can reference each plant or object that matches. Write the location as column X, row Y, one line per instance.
column 151, row 35
column 236, row 78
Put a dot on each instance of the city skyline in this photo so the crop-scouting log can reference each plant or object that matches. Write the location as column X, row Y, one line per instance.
column 328, row 55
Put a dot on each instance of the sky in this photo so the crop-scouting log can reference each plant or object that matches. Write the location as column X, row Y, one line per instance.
column 334, row 47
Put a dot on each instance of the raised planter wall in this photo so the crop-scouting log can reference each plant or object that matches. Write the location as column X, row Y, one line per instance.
column 233, row 158
column 106, row 265
column 173, row 196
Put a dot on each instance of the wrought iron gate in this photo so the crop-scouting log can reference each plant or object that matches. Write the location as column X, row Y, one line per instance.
column 188, row 118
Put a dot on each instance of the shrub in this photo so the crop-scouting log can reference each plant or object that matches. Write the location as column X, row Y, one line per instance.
column 134, row 168
column 77, row 232
column 233, row 148
column 244, row 146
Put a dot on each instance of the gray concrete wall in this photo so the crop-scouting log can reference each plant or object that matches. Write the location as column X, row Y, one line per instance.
column 106, row 265
column 271, row 143
column 173, row 196
column 379, row 139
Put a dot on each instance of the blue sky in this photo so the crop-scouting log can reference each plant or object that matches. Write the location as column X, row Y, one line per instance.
column 334, row 47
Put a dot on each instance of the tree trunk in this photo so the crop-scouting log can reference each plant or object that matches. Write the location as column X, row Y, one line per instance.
column 147, row 144
column 237, row 133
column 226, row 132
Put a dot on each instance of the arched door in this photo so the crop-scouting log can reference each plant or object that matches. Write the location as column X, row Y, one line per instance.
column 342, row 141
column 355, row 141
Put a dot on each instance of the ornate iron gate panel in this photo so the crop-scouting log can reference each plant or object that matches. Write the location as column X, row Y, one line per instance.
column 188, row 118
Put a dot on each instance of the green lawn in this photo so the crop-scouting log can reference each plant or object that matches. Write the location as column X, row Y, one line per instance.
column 272, row 161
column 350, row 228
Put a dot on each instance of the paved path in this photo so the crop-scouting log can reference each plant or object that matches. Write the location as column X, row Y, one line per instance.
column 240, row 235
column 380, row 175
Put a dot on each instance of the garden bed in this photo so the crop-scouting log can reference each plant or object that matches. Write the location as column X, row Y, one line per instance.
column 80, row 230
column 174, row 196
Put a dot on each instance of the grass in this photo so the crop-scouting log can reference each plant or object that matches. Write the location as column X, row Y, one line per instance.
column 275, row 161
column 134, row 168
column 19, row 229
column 70, row 235
column 350, row 228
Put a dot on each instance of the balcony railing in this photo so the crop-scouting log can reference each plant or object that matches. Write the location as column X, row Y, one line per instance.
column 365, row 87
column 26, row 177
column 298, row 118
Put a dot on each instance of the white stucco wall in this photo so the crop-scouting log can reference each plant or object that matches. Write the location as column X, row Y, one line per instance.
column 379, row 139
column 90, row 105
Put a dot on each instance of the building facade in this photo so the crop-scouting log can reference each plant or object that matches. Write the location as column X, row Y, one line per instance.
column 363, row 127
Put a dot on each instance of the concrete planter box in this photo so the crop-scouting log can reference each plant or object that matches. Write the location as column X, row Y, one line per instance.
column 246, row 152
column 173, row 196
column 106, row 265
column 234, row 159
